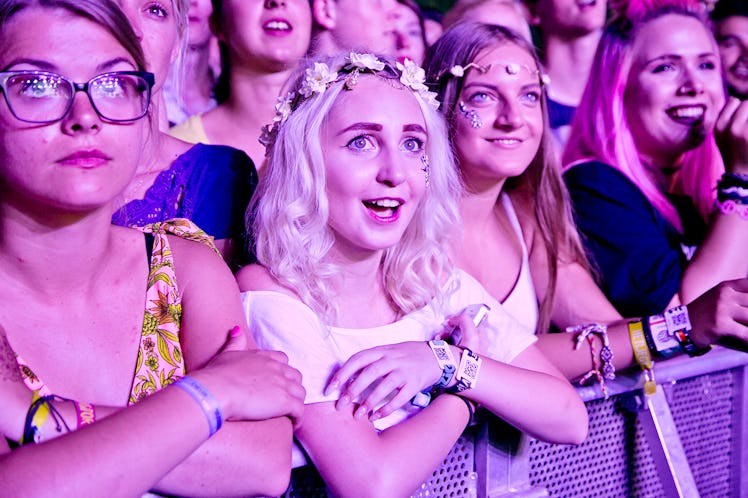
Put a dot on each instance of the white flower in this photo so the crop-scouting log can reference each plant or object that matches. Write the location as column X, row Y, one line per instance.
column 458, row 71
column 366, row 61
column 283, row 108
column 412, row 76
column 429, row 98
column 317, row 79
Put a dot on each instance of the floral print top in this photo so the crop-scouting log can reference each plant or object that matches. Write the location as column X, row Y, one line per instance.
column 160, row 360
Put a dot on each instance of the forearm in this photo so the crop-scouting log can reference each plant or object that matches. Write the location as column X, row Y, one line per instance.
column 574, row 363
column 544, row 406
column 123, row 455
column 355, row 461
column 722, row 256
column 243, row 458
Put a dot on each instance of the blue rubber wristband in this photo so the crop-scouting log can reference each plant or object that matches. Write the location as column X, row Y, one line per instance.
column 205, row 399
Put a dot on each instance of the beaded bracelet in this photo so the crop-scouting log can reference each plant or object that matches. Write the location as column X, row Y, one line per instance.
column 205, row 399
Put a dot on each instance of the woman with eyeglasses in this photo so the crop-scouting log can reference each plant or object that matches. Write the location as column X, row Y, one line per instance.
column 208, row 184
column 124, row 360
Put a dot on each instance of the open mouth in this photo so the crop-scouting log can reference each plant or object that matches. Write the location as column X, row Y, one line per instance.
column 688, row 115
column 383, row 209
column 740, row 71
column 277, row 26
column 505, row 141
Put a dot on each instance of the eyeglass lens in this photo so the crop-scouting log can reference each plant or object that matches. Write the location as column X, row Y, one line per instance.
column 46, row 97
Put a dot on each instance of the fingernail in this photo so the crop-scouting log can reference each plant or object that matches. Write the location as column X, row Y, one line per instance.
column 375, row 416
column 236, row 331
column 332, row 386
column 343, row 402
column 360, row 412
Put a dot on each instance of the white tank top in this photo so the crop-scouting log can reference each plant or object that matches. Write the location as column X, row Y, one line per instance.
column 522, row 302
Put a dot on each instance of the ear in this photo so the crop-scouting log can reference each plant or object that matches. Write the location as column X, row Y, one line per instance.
column 325, row 13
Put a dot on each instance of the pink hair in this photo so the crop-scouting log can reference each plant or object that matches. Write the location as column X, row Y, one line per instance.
column 600, row 130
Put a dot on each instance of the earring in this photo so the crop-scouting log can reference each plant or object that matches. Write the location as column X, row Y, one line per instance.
column 426, row 168
column 470, row 115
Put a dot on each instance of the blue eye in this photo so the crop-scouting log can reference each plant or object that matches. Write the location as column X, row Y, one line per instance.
column 661, row 68
column 479, row 98
column 530, row 98
column 708, row 65
column 413, row 144
column 361, row 143
column 157, row 10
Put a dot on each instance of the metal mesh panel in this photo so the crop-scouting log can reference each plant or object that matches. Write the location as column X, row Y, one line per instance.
column 455, row 477
column 702, row 408
column 614, row 461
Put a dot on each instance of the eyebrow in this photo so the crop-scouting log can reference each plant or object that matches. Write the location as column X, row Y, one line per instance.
column 48, row 66
column 379, row 127
column 675, row 57
column 533, row 84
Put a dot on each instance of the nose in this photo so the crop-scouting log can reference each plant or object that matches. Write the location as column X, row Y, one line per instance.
column 82, row 117
column 270, row 4
column 392, row 169
column 508, row 116
column 401, row 41
column 691, row 83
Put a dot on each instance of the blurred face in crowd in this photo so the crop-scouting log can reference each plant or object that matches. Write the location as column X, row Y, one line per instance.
column 674, row 90
column 199, row 23
column 358, row 24
column 498, row 124
column 269, row 34
column 500, row 12
column 409, row 41
column 79, row 161
column 155, row 24
column 732, row 36
column 569, row 17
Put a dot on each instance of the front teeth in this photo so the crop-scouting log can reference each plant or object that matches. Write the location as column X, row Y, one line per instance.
column 688, row 112
column 281, row 25
column 385, row 203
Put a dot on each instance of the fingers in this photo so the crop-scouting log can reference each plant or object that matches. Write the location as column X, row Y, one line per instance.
column 384, row 389
column 237, row 340
column 726, row 115
column 355, row 363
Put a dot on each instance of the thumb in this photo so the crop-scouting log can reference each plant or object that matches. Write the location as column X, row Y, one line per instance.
column 237, row 340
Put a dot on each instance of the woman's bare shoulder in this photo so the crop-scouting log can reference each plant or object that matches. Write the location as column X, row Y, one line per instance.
column 257, row 277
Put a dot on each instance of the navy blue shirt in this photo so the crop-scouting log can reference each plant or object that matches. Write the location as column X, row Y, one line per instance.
column 640, row 256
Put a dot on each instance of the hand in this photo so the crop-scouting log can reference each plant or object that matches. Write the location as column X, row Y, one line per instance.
column 471, row 336
column 721, row 314
column 401, row 369
column 253, row 384
column 731, row 133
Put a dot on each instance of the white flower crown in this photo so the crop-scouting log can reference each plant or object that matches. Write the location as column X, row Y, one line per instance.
column 318, row 78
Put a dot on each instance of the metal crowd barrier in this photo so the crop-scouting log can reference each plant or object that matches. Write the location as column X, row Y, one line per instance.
column 689, row 440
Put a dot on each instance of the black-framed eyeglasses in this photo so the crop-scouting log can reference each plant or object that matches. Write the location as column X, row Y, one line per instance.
column 43, row 97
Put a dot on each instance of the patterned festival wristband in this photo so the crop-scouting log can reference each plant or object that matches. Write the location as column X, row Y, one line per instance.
column 467, row 373
column 446, row 361
column 643, row 356
column 85, row 413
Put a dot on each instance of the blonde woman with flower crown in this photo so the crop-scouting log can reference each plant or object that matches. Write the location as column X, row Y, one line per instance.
column 353, row 284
